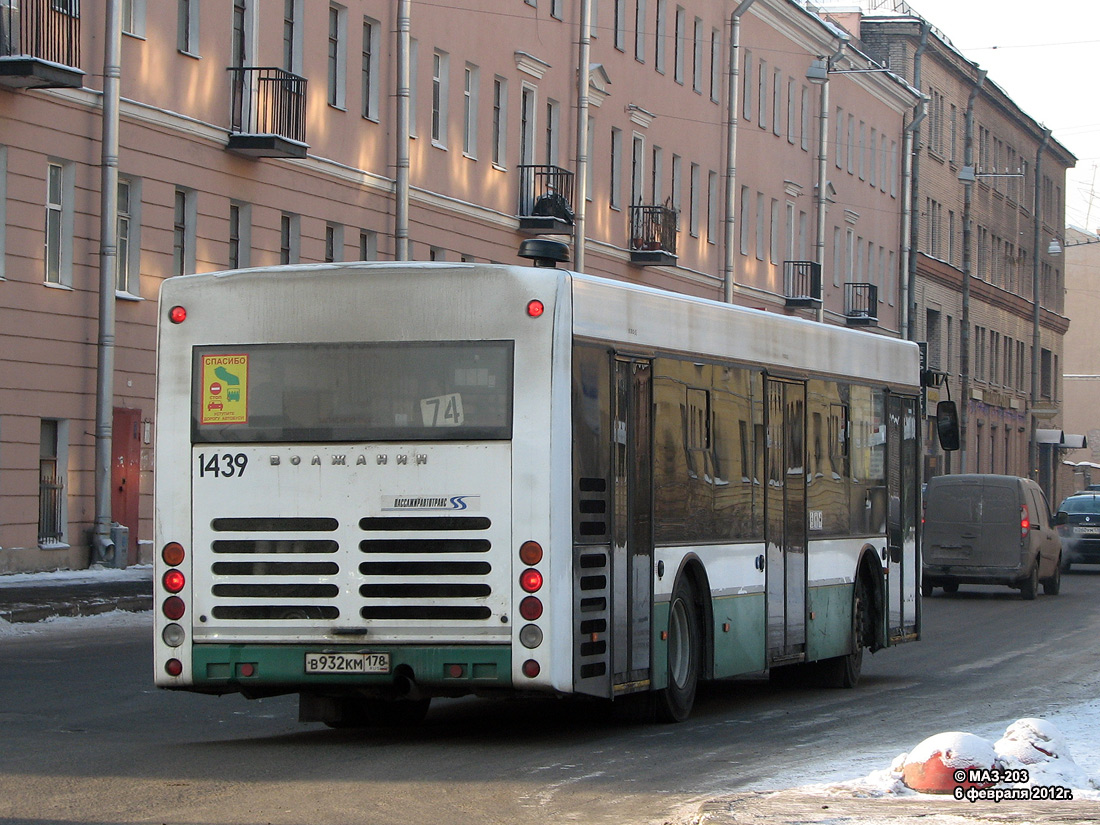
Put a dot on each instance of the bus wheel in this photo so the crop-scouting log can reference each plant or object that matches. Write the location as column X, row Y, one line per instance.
column 844, row 671
column 685, row 650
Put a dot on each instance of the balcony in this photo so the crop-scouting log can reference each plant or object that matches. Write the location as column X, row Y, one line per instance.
column 860, row 305
column 545, row 200
column 802, row 284
column 40, row 44
column 269, row 113
column 653, row 235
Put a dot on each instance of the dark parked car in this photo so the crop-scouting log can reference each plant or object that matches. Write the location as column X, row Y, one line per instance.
column 989, row 529
column 1078, row 523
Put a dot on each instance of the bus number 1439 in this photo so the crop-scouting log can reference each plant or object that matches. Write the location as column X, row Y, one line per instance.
column 222, row 465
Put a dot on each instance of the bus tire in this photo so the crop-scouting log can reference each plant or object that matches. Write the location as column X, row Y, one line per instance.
column 844, row 671
column 685, row 655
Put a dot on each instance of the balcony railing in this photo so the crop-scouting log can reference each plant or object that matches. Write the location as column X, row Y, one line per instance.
column 40, row 44
column 652, row 235
column 802, row 283
column 861, row 304
column 269, row 112
column 545, row 199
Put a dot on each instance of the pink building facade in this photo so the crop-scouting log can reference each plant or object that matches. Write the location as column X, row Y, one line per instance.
column 263, row 133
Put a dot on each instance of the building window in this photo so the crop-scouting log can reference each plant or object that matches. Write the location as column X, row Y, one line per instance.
column 183, row 231
column 744, row 220
column 52, row 460
column 659, row 35
column 555, row 9
column 712, row 207
column 240, row 235
column 715, row 64
column 677, row 175
column 440, row 67
column 128, row 228
column 620, row 25
column 656, row 173
column 526, row 125
column 697, row 56
column 414, row 74
column 500, row 119
column 762, row 95
column 693, row 201
column 292, row 36
column 334, row 242
column 337, row 56
column 678, row 31
column 639, row 30
column 59, row 223
column 133, row 17
column 637, row 169
column 469, row 110
column 370, row 68
column 289, row 238
column 368, row 245
column 553, row 126
column 187, row 27
column 747, row 87
column 615, row 194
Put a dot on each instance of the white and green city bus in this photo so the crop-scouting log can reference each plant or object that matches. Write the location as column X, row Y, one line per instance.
column 378, row 483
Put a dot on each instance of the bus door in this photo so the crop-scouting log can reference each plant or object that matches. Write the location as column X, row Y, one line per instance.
column 902, row 455
column 631, row 523
column 785, row 518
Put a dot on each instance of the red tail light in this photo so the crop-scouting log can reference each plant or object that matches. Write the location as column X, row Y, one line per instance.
column 173, row 667
column 530, row 608
column 530, row 580
column 174, row 581
column 177, row 315
column 531, row 669
column 174, row 608
column 1025, row 522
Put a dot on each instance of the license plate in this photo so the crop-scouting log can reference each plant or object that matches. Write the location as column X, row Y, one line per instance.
column 347, row 663
column 1087, row 531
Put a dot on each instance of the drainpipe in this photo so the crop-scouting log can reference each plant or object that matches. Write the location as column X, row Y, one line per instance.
column 821, row 198
column 401, row 195
column 103, row 549
column 908, row 182
column 1036, row 340
column 913, row 201
column 583, row 76
column 964, row 343
column 732, row 107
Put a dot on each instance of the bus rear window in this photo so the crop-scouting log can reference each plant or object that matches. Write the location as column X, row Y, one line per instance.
column 423, row 391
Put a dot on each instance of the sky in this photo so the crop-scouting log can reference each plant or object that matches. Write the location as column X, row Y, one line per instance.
column 1046, row 57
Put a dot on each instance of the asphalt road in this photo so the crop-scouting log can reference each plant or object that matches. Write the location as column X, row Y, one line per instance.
column 86, row 738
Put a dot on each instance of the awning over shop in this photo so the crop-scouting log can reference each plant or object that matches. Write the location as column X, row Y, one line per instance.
column 1075, row 441
column 1050, row 437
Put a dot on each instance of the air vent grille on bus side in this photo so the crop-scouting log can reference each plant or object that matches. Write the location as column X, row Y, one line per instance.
column 254, row 586
column 423, row 578
column 591, row 613
column 591, row 507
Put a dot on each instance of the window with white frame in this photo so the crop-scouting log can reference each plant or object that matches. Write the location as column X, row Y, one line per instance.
column 334, row 242
column 469, row 110
column 290, row 238
column 620, row 25
column 615, row 178
column 777, row 102
column 59, row 222
column 133, row 17
column 527, row 97
column 694, row 183
column 659, row 23
column 805, row 118
column 678, row 31
column 440, row 72
column 639, row 30
column 762, row 81
column 370, row 92
column 715, row 64
column 128, row 239
column 337, row 55
column 184, row 216
column 500, row 121
column 792, row 111
column 240, row 234
column 697, row 55
column 368, row 245
column 292, row 36
column 556, row 9
column 637, row 169
column 187, row 26
column 747, row 95
column 552, row 128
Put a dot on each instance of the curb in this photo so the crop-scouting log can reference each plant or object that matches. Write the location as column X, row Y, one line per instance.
column 90, row 607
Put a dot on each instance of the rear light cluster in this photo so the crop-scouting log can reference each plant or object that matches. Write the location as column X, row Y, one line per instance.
column 1025, row 522
column 531, row 580
column 173, row 607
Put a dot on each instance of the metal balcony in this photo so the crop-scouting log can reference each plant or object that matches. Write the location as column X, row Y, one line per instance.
column 860, row 304
column 269, row 113
column 653, row 235
column 40, row 44
column 802, row 283
column 545, row 200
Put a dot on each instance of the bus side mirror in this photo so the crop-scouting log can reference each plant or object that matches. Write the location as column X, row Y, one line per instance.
column 947, row 425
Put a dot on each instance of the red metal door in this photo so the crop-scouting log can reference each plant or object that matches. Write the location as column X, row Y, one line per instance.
column 126, row 474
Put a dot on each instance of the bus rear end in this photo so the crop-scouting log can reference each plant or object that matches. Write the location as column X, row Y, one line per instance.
column 352, row 502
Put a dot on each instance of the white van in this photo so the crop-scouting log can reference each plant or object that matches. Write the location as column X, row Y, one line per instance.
column 989, row 529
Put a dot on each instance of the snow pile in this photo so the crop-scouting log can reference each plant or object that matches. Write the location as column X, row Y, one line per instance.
column 1032, row 754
